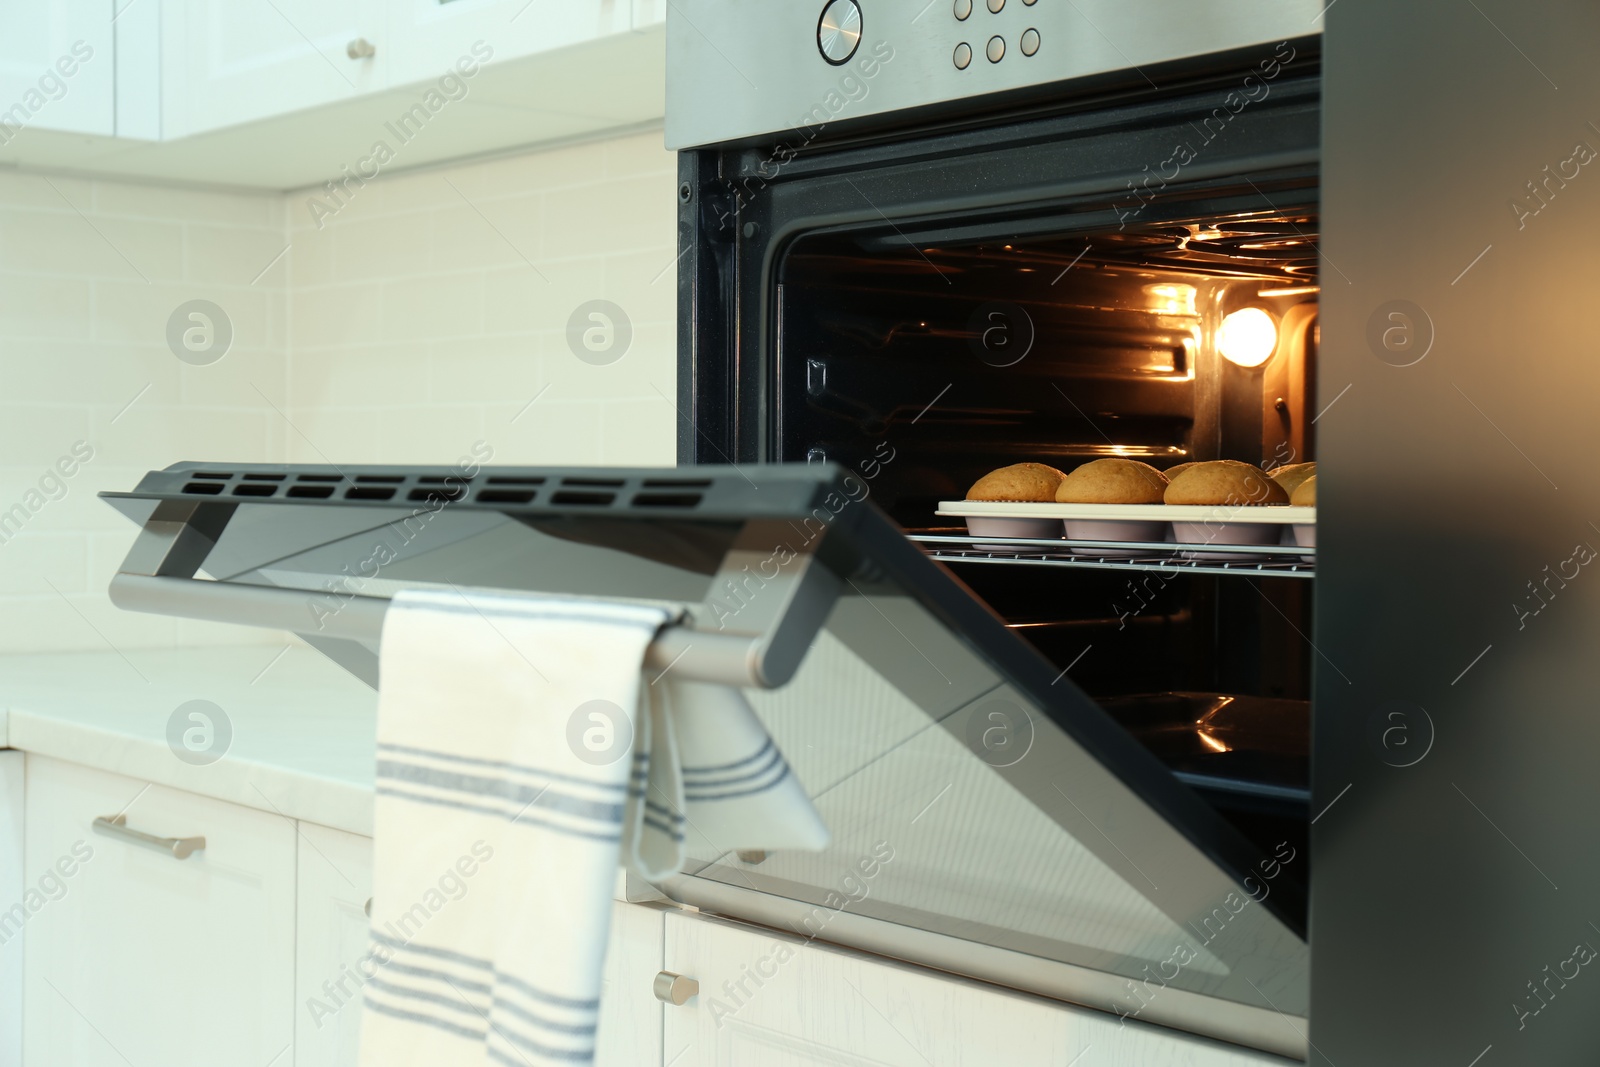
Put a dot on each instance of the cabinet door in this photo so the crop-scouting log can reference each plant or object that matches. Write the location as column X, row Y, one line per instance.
column 135, row 956
column 630, row 1015
column 35, row 91
column 331, row 942
column 232, row 63
column 427, row 37
column 12, row 890
column 775, row 1000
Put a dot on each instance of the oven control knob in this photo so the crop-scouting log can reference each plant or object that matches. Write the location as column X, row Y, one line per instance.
column 839, row 31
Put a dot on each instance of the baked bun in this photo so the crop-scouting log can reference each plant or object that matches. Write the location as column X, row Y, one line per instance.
column 1291, row 476
column 1112, row 481
column 1020, row 481
column 1173, row 472
column 1224, row 481
column 1305, row 494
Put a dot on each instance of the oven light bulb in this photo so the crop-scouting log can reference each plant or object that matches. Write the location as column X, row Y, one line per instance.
column 1247, row 337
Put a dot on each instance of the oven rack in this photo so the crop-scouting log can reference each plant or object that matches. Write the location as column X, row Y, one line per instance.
column 1283, row 561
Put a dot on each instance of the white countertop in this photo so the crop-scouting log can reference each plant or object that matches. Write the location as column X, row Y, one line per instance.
column 303, row 729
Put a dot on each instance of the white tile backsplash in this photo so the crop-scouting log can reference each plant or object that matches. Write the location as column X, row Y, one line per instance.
column 429, row 313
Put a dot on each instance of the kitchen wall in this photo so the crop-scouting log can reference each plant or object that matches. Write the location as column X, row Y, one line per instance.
column 432, row 310
column 91, row 396
column 398, row 321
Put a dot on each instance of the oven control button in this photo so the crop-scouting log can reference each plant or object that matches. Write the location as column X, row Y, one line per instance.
column 1030, row 3
column 963, row 10
column 963, row 55
column 1030, row 42
column 839, row 31
column 996, row 5
column 997, row 49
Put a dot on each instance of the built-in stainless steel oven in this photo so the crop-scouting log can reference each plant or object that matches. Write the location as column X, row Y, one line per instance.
column 924, row 240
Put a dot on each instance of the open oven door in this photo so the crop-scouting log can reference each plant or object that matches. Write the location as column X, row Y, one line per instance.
column 987, row 818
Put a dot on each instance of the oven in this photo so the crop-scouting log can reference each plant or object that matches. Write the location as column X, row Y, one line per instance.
column 934, row 243
column 923, row 241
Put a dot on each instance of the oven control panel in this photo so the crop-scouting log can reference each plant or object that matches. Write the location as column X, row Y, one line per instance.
column 743, row 70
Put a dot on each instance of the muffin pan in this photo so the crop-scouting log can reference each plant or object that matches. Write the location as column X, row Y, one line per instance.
column 1199, row 531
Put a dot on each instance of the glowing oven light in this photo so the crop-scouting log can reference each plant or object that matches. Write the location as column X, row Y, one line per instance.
column 1247, row 337
column 1170, row 299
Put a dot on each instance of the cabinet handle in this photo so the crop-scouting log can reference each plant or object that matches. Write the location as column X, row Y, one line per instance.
column 360, row 48
column 367, row 907
column 178, row 847
column 672, row 988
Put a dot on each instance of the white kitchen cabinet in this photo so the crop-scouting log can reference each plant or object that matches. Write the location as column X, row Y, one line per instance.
column 778, row 1001
column 331, row 941
column 12, row 893
column 226, row 64
column 426, row 38
column 630, row 1015
column 135, row 956
column 57, row 69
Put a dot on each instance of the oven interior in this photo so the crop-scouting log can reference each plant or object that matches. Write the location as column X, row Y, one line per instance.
column 926, row 360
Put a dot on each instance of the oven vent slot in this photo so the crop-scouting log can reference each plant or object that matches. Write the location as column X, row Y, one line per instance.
column 204, row 488
column 676, row 483
column 437, row 494
column 384, row 479
column 220, row 476
column 368, row 492
column 246, row 489
column 667, row 500
column 318, row 478
column 310, row 492
column 598, row 483
column 504, row 496
column 581, row 497
column 264, row 477
column 516, row 480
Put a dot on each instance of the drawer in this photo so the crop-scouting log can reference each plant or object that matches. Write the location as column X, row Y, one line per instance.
column 135, row 956
column 780, row 1001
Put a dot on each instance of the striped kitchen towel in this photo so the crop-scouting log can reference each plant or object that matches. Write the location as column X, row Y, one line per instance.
column 521, row 755
column 713, row 774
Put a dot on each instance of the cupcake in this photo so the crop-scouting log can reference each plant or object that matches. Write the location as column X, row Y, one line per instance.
column 1112, row 481
column 1019, row 482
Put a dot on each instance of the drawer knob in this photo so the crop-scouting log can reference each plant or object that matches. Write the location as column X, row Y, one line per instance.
column 178, row 847
column 360, row 48
column 672, row 988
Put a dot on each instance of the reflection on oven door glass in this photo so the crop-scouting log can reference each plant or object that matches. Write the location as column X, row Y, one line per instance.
column 957, row 807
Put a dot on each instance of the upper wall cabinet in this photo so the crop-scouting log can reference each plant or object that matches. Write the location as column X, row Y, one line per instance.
column 429, row 37
column 56, row 68
column 282, row 94
column 226, row 64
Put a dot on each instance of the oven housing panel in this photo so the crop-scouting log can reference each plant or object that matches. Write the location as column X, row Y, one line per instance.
column 746, row 71
column 1456, row 734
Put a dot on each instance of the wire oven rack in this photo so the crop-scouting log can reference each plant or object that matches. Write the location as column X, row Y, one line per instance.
column 1277, row 561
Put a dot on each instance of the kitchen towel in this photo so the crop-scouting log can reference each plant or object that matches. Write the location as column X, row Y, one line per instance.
column 521, row 755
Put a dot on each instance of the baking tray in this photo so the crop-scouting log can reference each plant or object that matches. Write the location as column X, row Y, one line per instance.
column 1223, row 530
column 1274, row 513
